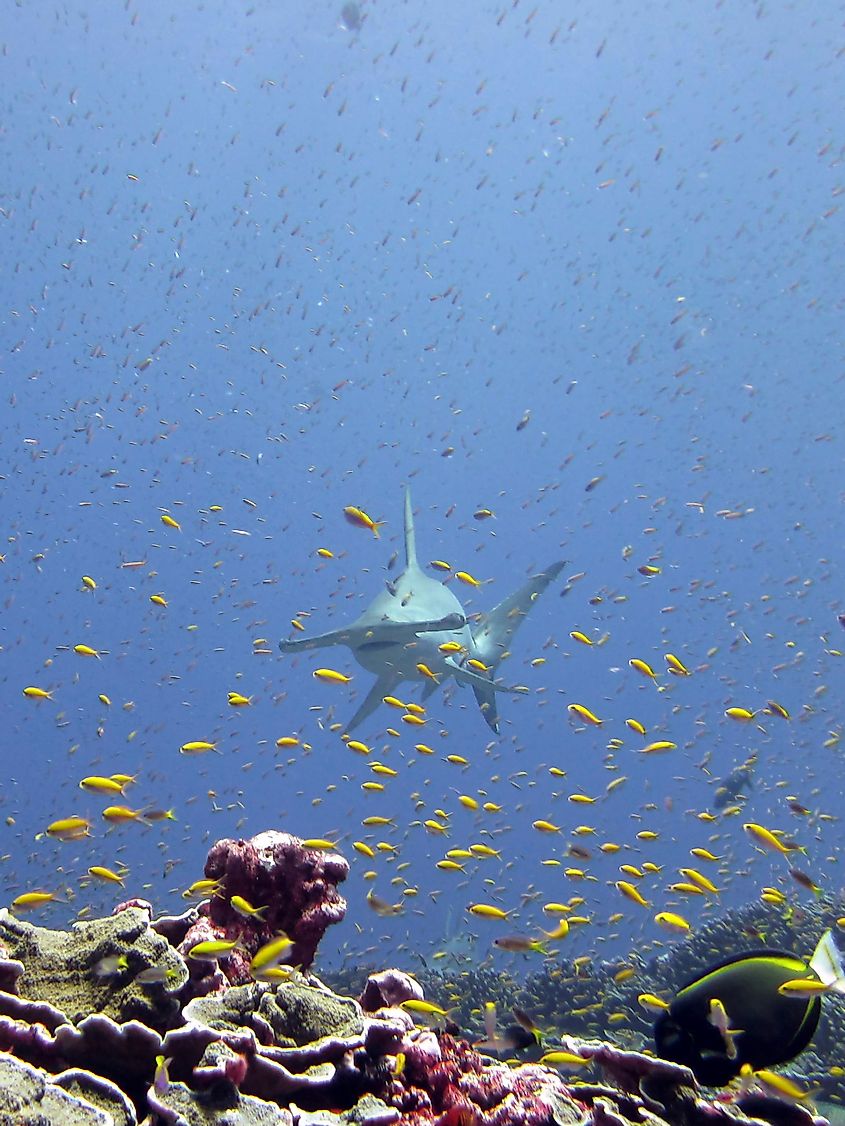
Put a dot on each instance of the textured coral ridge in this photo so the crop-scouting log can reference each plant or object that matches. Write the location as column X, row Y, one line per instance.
column 84, row 1040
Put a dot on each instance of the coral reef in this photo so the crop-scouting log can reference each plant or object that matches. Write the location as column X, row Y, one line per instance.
column 106, row 1025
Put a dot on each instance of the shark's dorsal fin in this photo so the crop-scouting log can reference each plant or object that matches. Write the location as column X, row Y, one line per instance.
column 410, row 534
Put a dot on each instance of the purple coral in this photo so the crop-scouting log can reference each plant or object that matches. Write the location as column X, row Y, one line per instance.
column 296, row 886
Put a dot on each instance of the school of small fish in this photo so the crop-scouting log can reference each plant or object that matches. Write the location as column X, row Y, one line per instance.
column 569, row 326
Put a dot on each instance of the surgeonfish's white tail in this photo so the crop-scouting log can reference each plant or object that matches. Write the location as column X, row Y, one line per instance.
column 826, row 963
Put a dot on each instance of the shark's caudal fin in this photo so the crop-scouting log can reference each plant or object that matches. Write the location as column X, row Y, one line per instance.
column 493, row 631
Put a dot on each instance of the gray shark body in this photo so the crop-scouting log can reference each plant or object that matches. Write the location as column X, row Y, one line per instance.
column 407, row 625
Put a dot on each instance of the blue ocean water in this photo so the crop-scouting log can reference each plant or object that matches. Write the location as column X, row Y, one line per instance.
column 580, row 265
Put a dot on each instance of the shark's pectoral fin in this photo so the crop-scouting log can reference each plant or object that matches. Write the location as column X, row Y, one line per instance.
column 383, row 687
column 320, row 641
column 493, row 631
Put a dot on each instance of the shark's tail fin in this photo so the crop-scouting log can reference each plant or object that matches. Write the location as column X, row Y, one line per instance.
column 493, row 631
column 410, row 534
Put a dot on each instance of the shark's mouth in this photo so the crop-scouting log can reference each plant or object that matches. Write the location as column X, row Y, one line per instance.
column 376, row 646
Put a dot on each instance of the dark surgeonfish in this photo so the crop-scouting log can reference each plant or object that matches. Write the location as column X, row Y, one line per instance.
column 738, row 1012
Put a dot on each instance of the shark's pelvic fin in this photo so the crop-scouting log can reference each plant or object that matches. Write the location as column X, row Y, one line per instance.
column 383, row 686
column 485, row 697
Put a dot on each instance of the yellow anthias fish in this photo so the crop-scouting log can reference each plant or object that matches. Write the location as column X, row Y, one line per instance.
column 118, row 813
column 565, row 1061
column 169, row 522
column 359, row 519
column 37, row 693
column 268, row 961
column 642, row 667
column 69, row 829
column 487, row 911
column 661, row 746
column 197, row 747
column 105, row 874
column 631, row 892
column 212, row 949
column 585, row 714
column 560, row 931
column 238, row 700
column 741, row 714
column 467, row 578
column 98, row 785
column 245, row 909
column 652, row 1002
column 699, row 879
column 331, row 676
column 768, row 839
column 30, row 900
column 203, row 889
column 672, row 922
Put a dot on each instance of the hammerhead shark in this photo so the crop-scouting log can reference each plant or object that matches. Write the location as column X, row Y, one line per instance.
column 416, row 629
